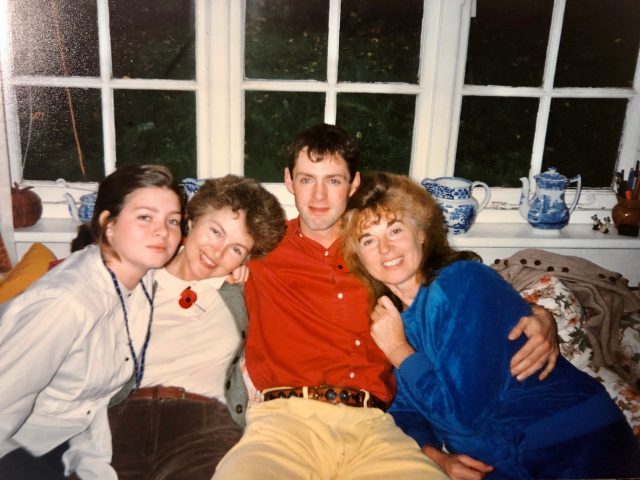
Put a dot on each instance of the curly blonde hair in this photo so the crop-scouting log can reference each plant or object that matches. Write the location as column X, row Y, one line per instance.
column 389, row 196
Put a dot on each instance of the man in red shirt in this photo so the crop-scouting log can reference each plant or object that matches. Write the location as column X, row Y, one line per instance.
column 309, row 350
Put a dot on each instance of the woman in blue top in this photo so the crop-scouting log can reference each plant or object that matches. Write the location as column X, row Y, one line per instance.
column 456, row 396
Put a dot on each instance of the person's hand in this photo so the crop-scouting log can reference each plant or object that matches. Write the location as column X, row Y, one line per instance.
column 239, row 275
column 541, row 349
column 387, row 331
column 458, row 467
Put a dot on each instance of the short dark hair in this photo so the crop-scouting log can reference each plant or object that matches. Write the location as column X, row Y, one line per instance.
column 322, row 140
column 265, row 219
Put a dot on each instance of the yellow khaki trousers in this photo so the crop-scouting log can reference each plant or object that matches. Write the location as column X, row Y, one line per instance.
column 296, row 438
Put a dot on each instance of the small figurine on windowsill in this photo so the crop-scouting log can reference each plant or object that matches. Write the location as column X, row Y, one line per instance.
column 601, row 225
column 604, row 225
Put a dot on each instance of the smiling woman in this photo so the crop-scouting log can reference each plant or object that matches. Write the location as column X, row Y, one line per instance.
column 192, row 399
column 77, row 335
column 456, row 396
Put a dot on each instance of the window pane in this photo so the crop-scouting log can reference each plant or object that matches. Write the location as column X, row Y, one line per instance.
column 495, row 139
column 599, row 45
column 584, row 138
column 54, row 37
column 156, row 127
column 51, row 140
column 286, row 39
column 383, row 125
column 508, row 42
column 272, row 120
column 152, row 39
column 380, row 41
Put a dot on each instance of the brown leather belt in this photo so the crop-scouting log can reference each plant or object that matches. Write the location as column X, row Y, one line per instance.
column 328, row 394
column 160, row 392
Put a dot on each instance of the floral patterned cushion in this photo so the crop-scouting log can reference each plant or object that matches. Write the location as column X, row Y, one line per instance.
column 555, row 296
column 625, row 396
column 628, row 357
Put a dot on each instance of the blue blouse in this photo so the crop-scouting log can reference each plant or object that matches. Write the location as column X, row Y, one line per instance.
column 457, row 391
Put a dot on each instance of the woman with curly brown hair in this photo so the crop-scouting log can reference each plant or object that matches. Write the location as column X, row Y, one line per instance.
column 190, row 405
column 455, row 395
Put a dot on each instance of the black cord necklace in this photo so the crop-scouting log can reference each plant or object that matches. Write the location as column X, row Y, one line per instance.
column 138, row 363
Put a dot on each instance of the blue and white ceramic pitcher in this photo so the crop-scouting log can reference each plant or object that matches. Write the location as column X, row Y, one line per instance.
column 546, row 209
column 453, row 194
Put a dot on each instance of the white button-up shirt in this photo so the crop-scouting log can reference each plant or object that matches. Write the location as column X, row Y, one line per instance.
column 63, row 355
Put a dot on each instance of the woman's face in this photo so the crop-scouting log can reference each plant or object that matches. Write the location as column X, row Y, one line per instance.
column 218, row 243
column 391, row 251
column 145, row 234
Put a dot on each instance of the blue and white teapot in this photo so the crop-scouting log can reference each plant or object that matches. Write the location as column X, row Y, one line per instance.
column 84, row 212
column 546, row 209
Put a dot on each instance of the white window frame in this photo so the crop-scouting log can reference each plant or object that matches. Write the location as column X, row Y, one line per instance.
column 591, row 200
column 202, row 86
column 220, row 86
column 332, row 87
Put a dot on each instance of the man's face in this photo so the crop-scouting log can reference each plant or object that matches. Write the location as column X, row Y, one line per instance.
column 321, row 190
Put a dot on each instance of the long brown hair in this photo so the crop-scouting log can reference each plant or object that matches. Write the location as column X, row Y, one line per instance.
column 390, row 196
column 112, row 195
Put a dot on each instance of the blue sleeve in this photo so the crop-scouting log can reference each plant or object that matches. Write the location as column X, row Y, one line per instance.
column 412, row 422
column 461, row 365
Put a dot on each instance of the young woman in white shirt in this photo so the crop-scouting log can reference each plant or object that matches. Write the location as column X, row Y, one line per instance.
column 80, row 333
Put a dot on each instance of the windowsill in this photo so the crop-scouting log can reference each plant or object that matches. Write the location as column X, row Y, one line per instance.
column 521, row 235
column 55, row 230
column 489, row 235
column 491, row 240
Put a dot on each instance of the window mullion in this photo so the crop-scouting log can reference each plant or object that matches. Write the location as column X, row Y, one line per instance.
column 424, row 117
column 214, row 130
column 235, row 69
column 452, row 25
column 107, row 104
column 630, row 142
column 11, row 124
column 544, row 106
column 539, row 138
column 211, row 123
column 333, row 49
column 573, row 92
column 555, row 33
column 6, row 217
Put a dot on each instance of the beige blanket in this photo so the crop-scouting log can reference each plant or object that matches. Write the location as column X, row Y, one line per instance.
column 604, row 295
